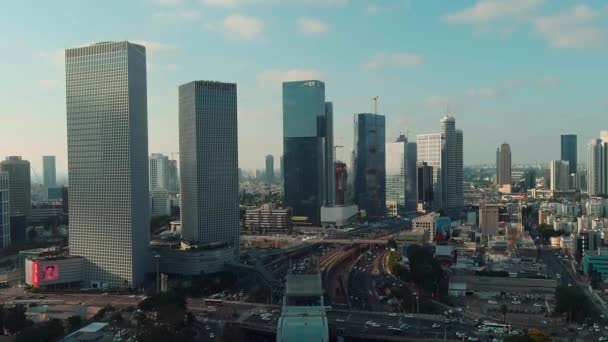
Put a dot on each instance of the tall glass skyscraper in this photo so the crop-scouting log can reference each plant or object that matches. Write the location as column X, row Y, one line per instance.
column 304, row 148
column 5, row 213
column 569, row 151
column 396, row 173
column 159, row 172
column 208, row 145
column 503, row 165
column 410, row 184
column 48, row 168
column 20, row 185
column 370, row 164
column 269, row 168
column 329, row 154
column 597, row 167
column 431, row 151
column 107, row 128
column 452, row 172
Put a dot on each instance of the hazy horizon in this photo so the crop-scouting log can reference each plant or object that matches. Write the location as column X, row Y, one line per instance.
column 521, row 72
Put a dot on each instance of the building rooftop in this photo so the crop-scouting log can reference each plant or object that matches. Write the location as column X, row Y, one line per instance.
column 302, row 328
column 299, row 285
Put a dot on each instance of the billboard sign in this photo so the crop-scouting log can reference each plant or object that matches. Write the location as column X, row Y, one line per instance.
column 442, row 228
column 35, row 273
column 50, row 272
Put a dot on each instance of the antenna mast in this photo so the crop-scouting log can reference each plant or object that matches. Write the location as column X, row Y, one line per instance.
column 375, row 98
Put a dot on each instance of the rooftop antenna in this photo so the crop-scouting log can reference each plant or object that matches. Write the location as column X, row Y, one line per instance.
column 375, row 98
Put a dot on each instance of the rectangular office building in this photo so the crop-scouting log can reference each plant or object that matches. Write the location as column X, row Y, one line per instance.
column 107, row 128
column 208, row 145
column 370, row 164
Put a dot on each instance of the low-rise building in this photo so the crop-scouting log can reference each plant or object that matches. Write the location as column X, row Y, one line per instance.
column 491, row 287
column 53, row 272
column 94, row 332
column 268, row 220
column 338, row 216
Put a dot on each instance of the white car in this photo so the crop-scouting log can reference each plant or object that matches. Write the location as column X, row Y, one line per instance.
column 340, row 320
column 538, row 305
column 515, row 302
column 602, row 338
column 492, row 302
column 211, row 335
column 392, row 314
column 471, row 338
column 436, row 325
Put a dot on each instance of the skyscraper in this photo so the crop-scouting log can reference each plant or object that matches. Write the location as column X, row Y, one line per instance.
column 19, row 184
column 597, row 167
column 530, row 179
column 452, row 172
column 503, row 165
column 411, row 164
column 48, row 167
column 107, row 129
column 431, row 151
column 208, row 145
column 560, row 177
column 173, row 186
column 396, row 173
column 269, row 169
column 5, row 213
column 569, row 151
column 304, row 148
column 159, row 172
column 340, row 184
column 370, row 164
column 329, row 154
column 282, row 166
column 424, row 195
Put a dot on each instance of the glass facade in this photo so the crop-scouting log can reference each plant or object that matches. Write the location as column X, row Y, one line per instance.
column 411, row 165
column 208, row 144
column 396, row 173
column 569, row 151
column 269, row 169
column 5, row 221
column 304, row 148
column 370, row 164
column 430, row 151
column 20, row 186
column 107, row 130
column 48, row 168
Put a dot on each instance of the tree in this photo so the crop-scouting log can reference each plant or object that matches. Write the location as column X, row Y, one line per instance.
column 571, row 300
column 425, row 270
column 15, row 320
column 538, row 335
column 74, row 322
column 503, row 310
column 47, row 331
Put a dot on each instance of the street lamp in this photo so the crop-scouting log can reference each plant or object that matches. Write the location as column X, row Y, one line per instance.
column 157, row 257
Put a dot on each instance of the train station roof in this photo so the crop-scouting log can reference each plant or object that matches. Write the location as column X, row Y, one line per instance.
column 304, row 285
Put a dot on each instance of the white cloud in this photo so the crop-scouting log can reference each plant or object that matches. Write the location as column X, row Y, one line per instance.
column 178, row 15
column 48, row 84
column 548, row 81
column 372, row 9
column 488, row 10
column 239, row 27
column 482, row 92
column 274, row 78
column 239, row 3
column 312, row 25
column 396, row 59
column 573, row 29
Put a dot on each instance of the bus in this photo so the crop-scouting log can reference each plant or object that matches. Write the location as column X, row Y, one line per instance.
column 496, row 328
column 213, row 302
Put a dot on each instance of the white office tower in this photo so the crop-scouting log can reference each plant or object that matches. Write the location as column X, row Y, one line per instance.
column 597, row 166
column 396, row 175
column 430, row 151
column 208, row 145
column 107, row 129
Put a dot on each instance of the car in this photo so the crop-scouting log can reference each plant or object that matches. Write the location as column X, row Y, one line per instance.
column 392, row 314
column 436, row 325
column 602, row 338
column 471, row 338
column 459, row 309
column 579, row 328
column 460, row 334
column 207, row 327
column 595, row 325
column 492, row 302
column 211, row 335
column 538, row 305
column 515, row 302
column 340, row 320
column 409, row 315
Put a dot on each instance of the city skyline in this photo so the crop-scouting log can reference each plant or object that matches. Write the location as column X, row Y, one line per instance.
column 548, row 70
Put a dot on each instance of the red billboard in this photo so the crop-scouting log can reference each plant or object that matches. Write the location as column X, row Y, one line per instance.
column 36, row 273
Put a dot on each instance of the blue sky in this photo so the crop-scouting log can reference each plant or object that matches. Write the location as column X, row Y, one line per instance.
column 520, row 71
